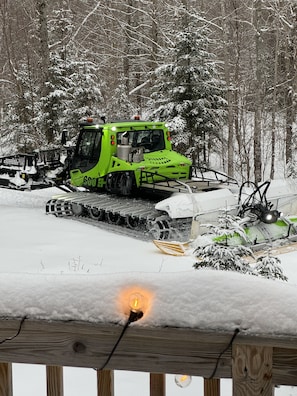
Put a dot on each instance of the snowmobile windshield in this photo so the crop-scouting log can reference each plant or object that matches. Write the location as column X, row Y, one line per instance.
column 88, row 149
column 149, row 139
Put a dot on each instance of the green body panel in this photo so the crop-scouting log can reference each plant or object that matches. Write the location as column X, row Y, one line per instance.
column 163, row 163
column 260, row 233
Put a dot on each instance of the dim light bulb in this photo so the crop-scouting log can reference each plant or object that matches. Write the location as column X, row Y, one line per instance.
column 183, row 380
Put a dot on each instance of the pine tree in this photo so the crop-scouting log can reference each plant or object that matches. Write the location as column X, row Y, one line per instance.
column 188, row 93
column 73, row 90
column 219, row 254
column 224, row 258
column 84, row 96
column 269, row 267
column 227, row 227
column 53, row 103
column 119, row 105
column 222, row 254
column 19, row 133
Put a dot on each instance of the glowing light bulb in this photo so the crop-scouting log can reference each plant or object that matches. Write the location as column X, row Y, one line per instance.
column 183, row 380
column 136, row 302
column 136, row 305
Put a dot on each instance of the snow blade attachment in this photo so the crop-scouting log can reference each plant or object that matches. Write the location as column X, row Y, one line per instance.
column 172, row 248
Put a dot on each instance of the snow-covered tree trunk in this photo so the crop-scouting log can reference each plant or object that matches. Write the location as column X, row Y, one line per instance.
column 41, row 6
column 230, row 102
column 291, row 78
column 258, row 96
column 274, row 99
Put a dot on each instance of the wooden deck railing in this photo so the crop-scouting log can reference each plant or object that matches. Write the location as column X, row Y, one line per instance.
column 255, row 364
column 105, row 382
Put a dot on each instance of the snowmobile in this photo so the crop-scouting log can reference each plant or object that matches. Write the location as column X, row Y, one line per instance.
column 261, row 220
column 264, row 215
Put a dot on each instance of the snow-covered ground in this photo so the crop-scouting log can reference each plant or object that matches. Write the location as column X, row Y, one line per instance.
column 46, row 260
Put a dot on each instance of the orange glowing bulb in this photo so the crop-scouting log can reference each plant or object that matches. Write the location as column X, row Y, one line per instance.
column 136, row 302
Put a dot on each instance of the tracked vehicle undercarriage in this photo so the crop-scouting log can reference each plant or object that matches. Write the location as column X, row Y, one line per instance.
column 137, row 214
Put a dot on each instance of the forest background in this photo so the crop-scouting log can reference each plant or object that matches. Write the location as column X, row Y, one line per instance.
column 222, row 74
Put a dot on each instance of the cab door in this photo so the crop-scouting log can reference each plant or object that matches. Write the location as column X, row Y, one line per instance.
column 88, row 149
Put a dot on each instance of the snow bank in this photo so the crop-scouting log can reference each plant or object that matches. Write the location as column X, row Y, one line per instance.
column 36, row 278
column 203, row 299
column 26, row 199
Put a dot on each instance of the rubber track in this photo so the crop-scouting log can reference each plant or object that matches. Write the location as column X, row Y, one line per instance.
column 136, row 214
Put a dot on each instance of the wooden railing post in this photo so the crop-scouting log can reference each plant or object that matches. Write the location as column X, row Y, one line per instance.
column 54, row 381
column 157, row 384
column 212, row 387
column 5, row 379
column 105, row 383
column 252, row 370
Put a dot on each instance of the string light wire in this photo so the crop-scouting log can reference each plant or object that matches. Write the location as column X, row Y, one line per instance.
column 132, row 318
column 236, row 331
column 17, row 333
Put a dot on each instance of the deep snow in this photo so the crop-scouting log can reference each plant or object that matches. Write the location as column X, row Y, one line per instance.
column 55, row 268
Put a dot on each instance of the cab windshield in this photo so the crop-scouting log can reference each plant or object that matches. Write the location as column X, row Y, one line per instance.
column 88, row 149
column 149, row 139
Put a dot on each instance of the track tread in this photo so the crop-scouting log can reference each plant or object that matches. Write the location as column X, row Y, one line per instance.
column 150, row 221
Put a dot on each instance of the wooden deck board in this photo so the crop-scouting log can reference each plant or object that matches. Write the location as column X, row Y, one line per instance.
column 153, row 350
